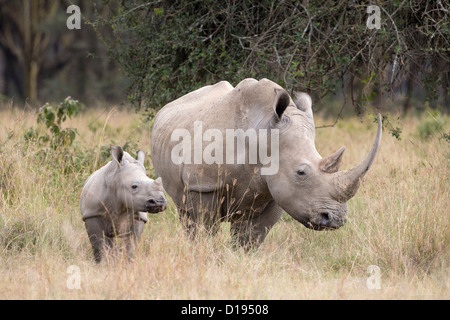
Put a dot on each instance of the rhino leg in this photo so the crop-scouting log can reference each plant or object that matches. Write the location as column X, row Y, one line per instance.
column 250, row 233
column 201, row 210
column 136, row 229
column 97, row 232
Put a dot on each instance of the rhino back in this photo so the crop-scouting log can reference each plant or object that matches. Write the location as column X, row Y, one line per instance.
column 181, row 114
column 219, row 107
column 92, row 200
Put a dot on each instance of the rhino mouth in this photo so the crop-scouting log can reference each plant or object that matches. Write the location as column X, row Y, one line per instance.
column 155, row 206
column 324, row 222
column 155, row 209
column 319, row 227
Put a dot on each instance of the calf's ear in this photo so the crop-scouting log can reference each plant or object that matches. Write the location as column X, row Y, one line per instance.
column 141, row 157
column 117, row 153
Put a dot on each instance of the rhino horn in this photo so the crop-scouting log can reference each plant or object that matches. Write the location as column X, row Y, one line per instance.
column 347, row 182
column 332, row 163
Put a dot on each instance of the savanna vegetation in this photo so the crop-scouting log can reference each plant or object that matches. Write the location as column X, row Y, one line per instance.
column 132, row 57
column 398, row 221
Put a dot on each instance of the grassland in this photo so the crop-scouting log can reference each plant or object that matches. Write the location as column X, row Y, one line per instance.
column 398, row 221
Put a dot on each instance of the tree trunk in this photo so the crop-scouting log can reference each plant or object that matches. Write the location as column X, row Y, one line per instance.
column 32, row 45
column 33, row 82
column 2, row 72
column 30, row 67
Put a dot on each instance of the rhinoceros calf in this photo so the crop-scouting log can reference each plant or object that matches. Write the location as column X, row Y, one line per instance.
column 209, row 187
column 116, row 199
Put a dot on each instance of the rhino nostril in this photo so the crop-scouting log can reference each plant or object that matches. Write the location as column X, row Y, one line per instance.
column 325, row 218
column 151, row 202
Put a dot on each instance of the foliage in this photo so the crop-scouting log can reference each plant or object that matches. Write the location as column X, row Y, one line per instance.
column 431, row 125
column 57, row 146
column 169, row 48
column 53, row 117
column 395, row 132
column 446, row 137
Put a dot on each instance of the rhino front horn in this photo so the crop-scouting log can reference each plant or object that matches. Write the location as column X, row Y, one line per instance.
column 347, row 182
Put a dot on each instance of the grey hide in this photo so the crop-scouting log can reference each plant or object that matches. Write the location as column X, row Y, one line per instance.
column 308, row 187
column 116, row 199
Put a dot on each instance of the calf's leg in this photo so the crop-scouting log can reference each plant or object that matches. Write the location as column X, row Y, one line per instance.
column 97, row 233
column 136, row 229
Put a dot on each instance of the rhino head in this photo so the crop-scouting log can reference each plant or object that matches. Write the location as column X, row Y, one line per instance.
column 133, row 190
column 308, row 187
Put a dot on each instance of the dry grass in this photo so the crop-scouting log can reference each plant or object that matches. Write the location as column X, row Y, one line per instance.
column 399, row 221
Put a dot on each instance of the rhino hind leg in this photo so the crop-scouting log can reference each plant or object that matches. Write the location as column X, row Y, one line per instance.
column 249, row 233
column 201, row 211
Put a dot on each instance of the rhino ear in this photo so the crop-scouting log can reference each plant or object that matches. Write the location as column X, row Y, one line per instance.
column 282, row 101
column 304, row 103
column 332, row 163
column 117, row 153
column 141, row 157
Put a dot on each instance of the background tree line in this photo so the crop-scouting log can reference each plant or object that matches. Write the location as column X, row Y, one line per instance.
column 165, row 48
column 41, row 60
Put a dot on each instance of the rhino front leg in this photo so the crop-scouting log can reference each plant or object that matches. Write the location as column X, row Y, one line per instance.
column 96, row 231
column 136, row 228
column 200, row 210
column 250, row 233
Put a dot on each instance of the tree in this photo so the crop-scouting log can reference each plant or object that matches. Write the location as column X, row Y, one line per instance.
column 42, row 60
column 170, row 47
column 22, row 34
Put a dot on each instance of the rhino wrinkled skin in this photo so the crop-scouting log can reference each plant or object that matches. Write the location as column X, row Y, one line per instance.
column 116, row 199
column 308, row 187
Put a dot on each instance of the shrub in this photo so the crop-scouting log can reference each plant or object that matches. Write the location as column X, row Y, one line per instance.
column 433, row 124
column 53, row 117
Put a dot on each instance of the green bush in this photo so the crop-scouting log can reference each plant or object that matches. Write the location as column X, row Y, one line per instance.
column 169, row 48
column 56, row 146
column 53, row 117
column 431, row 125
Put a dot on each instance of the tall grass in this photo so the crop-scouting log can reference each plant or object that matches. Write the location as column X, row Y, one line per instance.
column 398, row 221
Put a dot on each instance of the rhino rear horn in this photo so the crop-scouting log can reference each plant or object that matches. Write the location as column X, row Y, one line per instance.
column 347, row 182
column 332, row 163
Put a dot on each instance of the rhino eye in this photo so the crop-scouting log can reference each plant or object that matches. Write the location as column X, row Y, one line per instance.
column 303, row 172
column 134, row 186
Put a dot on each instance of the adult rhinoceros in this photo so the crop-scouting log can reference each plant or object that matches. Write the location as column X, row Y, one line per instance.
column 208, row 187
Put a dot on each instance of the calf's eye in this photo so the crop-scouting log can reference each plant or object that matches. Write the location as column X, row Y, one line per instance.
column 301, row 173
column 134, row 187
